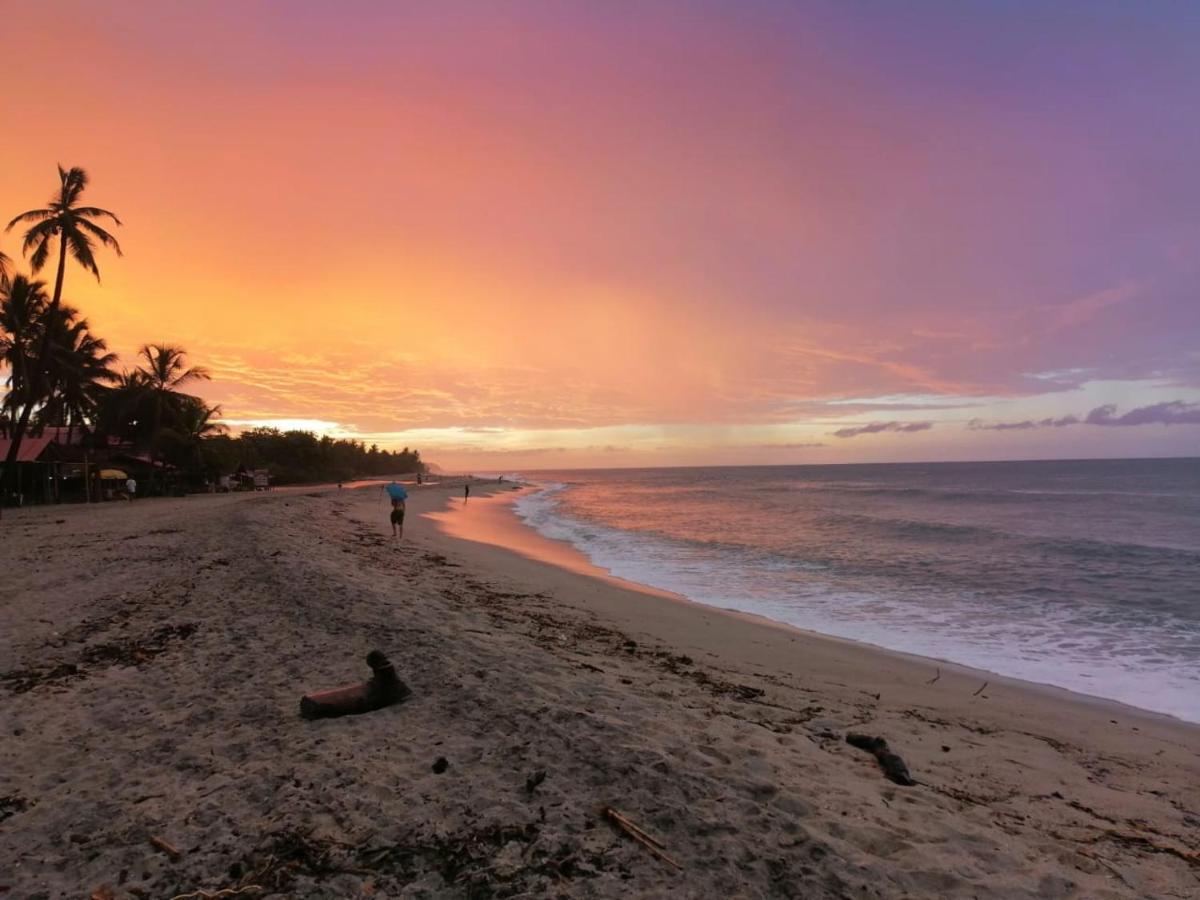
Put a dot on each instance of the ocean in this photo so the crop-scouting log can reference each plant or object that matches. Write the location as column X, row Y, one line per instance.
column 1080, row 574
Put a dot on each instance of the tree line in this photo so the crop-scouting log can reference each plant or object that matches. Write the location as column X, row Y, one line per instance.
column 59, row 373
column 300, row 456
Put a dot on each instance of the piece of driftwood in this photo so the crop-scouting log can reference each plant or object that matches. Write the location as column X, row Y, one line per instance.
column 893, row 766
column 382, row 689
column 654, row 846
column 982, row 688
column 169, row 849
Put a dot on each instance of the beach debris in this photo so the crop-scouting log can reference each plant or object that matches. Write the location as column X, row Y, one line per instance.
column 21, row 680
column 132, row 652
column 655, row 847
column 982, row 687
column 170, row 849
column 11, row 805
column 440, row 765
column 893, row 766
column 532, row 782
column 383, row 688
column 202, row 894
column 936, row 676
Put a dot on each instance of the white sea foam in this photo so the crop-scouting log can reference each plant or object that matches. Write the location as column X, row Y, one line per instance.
column 1067, row 648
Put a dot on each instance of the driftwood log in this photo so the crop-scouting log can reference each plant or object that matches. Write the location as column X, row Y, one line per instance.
column 893, row 766
column 382, row 689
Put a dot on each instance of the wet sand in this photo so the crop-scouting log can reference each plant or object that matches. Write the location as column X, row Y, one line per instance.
column 153, row 656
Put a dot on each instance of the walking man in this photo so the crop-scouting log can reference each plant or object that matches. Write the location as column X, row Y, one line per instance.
column 130, row 488
column 398, row 495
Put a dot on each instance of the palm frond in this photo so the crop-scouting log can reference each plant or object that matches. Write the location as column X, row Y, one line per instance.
column 32, row 215
column 39, row 256
column 100, row 234
column 95, row 212
column 82, row 249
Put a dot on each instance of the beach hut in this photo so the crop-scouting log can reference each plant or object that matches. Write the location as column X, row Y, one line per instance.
column 43, row 461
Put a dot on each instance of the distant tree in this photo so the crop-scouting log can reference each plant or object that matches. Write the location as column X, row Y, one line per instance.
column 194, row 422
column 164, row 370
column 126, row 408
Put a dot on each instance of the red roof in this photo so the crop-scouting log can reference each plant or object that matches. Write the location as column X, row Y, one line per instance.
column 31, row 448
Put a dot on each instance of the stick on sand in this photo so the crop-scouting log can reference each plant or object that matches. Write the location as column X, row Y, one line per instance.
column 651, row 844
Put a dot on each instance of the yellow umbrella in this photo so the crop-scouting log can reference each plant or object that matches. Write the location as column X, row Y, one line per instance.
column 112, row 473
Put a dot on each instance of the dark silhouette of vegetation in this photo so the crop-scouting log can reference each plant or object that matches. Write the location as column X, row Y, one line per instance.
column 76, row 368
column 77, row 232
column 296, row 457
column 59, row 374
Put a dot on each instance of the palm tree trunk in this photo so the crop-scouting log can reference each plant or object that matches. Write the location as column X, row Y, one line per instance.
column 62, row 268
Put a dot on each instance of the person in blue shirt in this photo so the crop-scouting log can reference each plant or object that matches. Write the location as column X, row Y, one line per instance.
column 398, row 495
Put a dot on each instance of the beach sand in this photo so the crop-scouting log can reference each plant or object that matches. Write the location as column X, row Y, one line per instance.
column 153, row 654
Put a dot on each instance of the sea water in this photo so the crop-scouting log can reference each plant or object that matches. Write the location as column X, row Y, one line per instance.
column 1080, row 574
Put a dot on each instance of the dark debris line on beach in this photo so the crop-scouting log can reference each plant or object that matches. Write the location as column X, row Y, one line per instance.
column 128, row 652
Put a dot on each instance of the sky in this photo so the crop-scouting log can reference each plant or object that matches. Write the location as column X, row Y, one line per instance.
column 555, row 234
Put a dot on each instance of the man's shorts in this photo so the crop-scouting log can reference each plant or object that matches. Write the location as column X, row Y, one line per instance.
column 397, row 516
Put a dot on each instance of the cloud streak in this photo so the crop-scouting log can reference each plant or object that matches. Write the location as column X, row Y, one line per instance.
column 1026, row 425
column 878, row 427
column 1172, row 412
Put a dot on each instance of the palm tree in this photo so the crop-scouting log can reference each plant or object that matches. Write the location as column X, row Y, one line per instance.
column 76, row 363
column 125, row 409
column 76, row 230
column 194, row 423
column 22, row 315
column 165, row 371
column 5, row 268
column 79, row 371
column 71, row 223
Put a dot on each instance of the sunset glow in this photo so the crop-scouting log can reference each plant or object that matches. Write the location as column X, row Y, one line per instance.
column 553, row 235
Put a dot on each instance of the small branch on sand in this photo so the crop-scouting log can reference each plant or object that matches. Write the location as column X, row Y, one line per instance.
column 224, row 892
column 654, row 846
column 981, row 689
column 934, row 679
column 169, row 849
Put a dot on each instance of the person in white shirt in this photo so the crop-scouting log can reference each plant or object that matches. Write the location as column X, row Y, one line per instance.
column 130, row 488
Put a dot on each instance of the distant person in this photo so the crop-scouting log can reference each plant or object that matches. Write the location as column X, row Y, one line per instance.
column 418, row 478
column 398, row 496
column 466, row 492
column 130, row 489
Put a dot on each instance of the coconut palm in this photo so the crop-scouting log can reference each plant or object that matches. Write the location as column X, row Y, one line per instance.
column 79, row 371
column 195, row 421
column 23, row 306
column 75, row 227
column 165, row 371
column 6, row 267
column 125, row 410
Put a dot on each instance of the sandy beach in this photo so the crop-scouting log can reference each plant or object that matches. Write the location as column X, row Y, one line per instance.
column 154, row 653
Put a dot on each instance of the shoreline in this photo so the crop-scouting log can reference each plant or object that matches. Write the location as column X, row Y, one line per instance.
column 156, row 651
column 501, row 527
